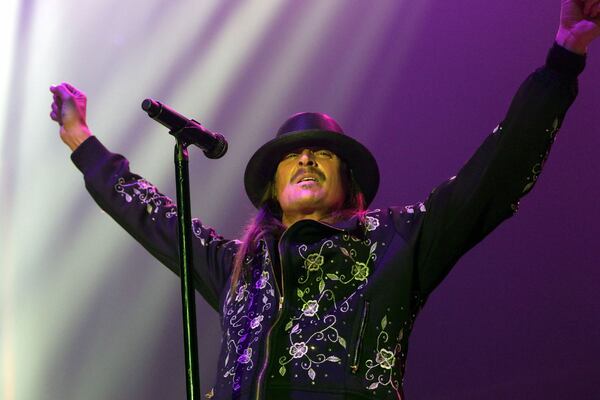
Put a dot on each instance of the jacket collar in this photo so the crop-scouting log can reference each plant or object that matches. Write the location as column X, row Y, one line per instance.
column 350, row 225
column 347, row 226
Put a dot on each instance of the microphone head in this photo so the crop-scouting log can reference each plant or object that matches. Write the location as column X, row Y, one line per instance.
column 219, row 149
column 152, row 107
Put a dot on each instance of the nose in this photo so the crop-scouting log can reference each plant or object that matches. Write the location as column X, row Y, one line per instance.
column 307, row 158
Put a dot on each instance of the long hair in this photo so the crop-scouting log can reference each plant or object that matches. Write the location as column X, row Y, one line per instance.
column 267, row 221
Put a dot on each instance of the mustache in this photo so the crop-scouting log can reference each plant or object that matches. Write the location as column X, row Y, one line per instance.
column 309, row 170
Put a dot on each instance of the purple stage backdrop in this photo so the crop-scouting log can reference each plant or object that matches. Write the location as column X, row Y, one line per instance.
column 88, row 314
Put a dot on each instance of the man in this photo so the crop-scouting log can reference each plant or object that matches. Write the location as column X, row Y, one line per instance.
column 319, row 298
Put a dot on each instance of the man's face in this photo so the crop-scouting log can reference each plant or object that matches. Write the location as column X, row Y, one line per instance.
column 308, row 180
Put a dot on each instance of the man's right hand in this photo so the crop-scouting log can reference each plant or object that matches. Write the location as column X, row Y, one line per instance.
column 69, row 110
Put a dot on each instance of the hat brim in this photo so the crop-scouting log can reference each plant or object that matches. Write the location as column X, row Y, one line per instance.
column 262, row 166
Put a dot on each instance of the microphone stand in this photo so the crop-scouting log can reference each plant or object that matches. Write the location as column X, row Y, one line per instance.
column 184, row 218
column 214, row 145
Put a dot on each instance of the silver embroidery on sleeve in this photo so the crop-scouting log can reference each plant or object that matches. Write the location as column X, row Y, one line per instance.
column 206, row 235
column 146, row 194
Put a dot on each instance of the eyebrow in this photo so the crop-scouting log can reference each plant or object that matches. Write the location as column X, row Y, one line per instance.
column 316, row 148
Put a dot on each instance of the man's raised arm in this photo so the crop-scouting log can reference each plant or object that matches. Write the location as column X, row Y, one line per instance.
column 137, row 205
column 486, row 191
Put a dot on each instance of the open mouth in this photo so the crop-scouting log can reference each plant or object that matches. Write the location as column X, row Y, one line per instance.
column 308, row 175
column 308, row 179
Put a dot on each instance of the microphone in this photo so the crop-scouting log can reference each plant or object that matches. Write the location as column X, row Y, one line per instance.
column 190, row 131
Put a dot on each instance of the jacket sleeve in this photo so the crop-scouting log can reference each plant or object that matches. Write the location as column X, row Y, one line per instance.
column 463, row 210
column 151, row 218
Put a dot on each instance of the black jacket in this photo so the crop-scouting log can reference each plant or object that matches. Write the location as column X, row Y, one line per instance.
column 337, row 324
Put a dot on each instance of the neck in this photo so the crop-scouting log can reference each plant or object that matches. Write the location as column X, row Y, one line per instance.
column 289, row 218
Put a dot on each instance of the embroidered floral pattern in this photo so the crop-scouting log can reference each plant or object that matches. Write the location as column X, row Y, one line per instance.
column 244, row 316
column 535, row 173
column 537, row 167
column 385, row 358
column 262, row 281
column 310, row 308
column 371, row 223
column 380, row 371
column 246, row 356
column 360, row 269
column 313, row 333
column 420, row 206
column 206, row 235
column 147, row 194
column 314, row 261
column 304, row 350
column 255, row 322
column 298, row 350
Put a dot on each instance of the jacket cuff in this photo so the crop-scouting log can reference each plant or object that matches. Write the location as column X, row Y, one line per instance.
column 564, row 61
column 89, row 154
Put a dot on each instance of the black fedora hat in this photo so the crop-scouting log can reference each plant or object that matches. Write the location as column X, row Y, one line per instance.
column 309, row 129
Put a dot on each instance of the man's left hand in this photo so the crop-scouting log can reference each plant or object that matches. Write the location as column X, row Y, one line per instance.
column 579, row 24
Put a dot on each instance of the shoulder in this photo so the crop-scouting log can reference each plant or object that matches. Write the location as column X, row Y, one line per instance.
column 406, row 218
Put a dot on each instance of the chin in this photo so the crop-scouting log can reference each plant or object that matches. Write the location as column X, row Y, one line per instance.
column 307, row 200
